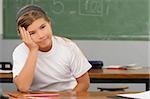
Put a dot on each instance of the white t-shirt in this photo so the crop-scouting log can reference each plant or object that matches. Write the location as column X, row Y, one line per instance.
column 55, row 70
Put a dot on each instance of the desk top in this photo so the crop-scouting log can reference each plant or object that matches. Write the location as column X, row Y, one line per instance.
column 65, row 95
column 6, row 75
column 143, row 73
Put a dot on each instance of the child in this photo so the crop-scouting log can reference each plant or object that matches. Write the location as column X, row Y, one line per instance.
column 44, row 62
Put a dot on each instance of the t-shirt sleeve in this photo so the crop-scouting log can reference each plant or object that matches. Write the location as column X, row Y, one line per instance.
column 79, row 63
column 19, row 58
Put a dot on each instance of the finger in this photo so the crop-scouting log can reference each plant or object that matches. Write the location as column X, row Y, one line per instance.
column 21, row 32
column 24, row 33
column 28, row 36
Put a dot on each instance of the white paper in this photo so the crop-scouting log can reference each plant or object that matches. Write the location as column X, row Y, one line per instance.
column 112, row 66
column 5, row 71
column 129, row 66
column 142, row 95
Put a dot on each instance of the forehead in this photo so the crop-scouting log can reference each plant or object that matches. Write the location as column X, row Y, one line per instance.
column 36, row 24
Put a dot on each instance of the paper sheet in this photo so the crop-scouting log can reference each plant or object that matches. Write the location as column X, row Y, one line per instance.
column 5, row 71
column 142, row 95
column 129, row 66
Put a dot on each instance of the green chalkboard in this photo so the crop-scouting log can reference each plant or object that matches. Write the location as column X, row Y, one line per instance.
column 87, row 19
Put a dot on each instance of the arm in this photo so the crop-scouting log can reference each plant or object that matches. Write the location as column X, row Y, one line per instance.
column 83, row 83
column 24, row 80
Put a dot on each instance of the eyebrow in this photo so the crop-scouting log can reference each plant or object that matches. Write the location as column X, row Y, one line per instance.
column 31, row 32
column 42, row 25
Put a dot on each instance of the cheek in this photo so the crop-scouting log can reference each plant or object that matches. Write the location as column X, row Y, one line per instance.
column 34, row 38
column 49, row 31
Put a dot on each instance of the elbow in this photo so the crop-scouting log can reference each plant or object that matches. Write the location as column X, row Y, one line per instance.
column 23, row 88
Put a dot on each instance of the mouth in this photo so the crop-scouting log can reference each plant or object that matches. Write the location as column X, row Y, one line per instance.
column 43, row 40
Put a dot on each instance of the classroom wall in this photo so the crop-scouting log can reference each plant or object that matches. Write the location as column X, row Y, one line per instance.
column 111, row 52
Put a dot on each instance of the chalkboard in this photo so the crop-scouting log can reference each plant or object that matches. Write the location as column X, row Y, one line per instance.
column 87, row 19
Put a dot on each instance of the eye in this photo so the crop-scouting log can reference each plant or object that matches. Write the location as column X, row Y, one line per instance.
column 42, row 27
column 31, row 33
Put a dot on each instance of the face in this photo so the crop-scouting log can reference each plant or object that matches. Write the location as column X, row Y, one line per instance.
column 41, row 33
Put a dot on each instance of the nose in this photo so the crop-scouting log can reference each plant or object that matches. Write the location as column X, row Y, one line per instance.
column 40, row 34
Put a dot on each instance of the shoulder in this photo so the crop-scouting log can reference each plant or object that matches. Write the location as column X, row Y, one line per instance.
column 64, row 41
column 20, row 48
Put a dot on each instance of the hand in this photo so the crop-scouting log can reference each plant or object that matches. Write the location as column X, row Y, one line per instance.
column 26, row 38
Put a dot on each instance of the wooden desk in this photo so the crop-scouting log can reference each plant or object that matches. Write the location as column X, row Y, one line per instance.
column 66, row 95
column 121, row 76
column 6, row 78
column 107, row 76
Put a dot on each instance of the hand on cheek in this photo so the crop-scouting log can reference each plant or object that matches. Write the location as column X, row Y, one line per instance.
column 26, row 38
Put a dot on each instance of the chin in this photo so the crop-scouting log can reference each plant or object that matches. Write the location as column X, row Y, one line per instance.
column 45, row 47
